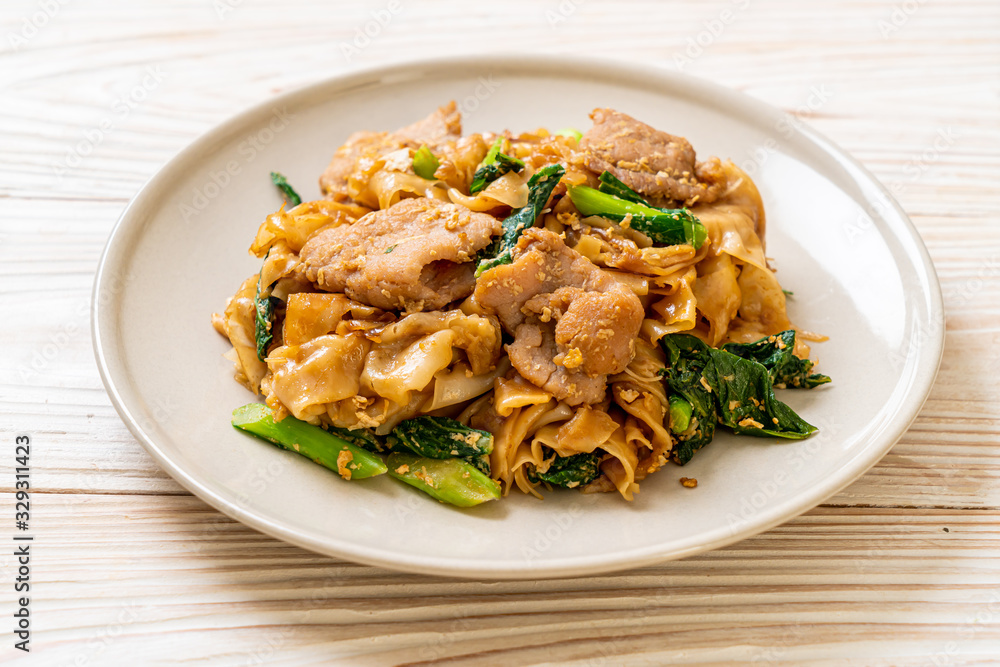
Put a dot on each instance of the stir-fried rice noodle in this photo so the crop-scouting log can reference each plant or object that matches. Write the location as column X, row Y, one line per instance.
column 337, row 360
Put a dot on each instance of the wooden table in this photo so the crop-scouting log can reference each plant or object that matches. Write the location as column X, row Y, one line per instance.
column 128, row 568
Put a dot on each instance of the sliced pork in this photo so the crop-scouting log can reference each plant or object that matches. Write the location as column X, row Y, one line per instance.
column 573, row 324
column 442, row 126
column 415, row 255
column 654, row 163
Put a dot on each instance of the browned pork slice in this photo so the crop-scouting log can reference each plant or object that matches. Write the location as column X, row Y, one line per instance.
column 659, row 165
column 573, row 324
column 414, row 255
column 333, row 181
column 442, row 126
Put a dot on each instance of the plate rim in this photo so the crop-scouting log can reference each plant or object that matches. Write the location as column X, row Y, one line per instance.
column 129, row 225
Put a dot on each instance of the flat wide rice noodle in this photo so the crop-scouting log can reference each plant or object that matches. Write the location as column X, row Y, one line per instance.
column 394, row 372
column 323, row 370
column 621, row 469
column 732, row 232
column 587, row 430
column 309, row 315
column 458, row 384
column 509, row 190
column 239, row 321
column 516, row 392
column 718, row 295
column 390, row 186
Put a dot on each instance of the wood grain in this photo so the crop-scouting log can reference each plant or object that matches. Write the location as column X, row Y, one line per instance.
column 836, row 576
column 901, row 568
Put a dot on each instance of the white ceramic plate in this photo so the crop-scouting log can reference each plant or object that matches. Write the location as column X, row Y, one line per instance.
column 858, row 269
